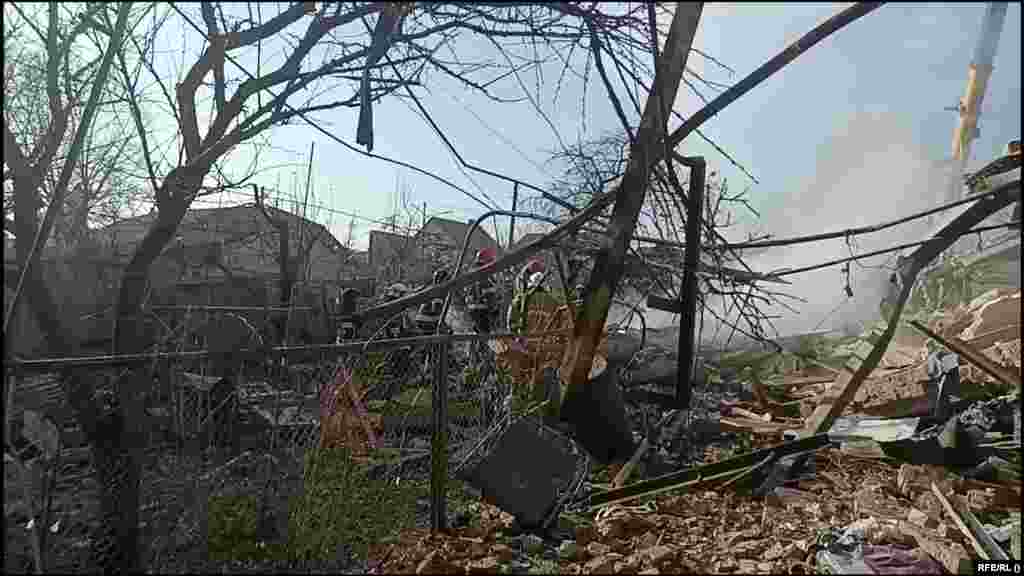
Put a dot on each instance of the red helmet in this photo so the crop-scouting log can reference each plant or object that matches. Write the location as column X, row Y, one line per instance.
column 535, row 265
column 486, row 256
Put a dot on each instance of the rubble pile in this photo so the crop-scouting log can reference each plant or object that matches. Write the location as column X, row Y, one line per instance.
column 921, row 474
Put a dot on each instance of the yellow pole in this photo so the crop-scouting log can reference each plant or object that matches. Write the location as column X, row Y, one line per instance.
column 974, row 95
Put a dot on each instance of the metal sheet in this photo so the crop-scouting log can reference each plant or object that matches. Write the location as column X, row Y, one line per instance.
column 877, row 429
column 524, row 474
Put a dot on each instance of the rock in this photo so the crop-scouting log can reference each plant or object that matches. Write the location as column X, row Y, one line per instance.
column 568, row 550
column 726, row 565
column 929, row 504
column 648, row 540
column 795, row 552
column 487, row 565
column 503, row 552
column 777, row 550
column 585, row 535
column 623, row 547
column 597, row 549
column 651, row 570
column 748, row 566
column 603, row 564
column 919, row 518
column 628, row 565
column 874, row 503
column 656, row 555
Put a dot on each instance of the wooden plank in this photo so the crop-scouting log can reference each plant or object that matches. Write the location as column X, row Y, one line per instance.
column 960, row 523
column 974, row 356
column 753, row 426
column 993, row 549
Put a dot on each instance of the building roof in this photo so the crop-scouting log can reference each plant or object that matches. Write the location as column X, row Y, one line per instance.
column 456, row 231
column 201, row 225
column 526, row 239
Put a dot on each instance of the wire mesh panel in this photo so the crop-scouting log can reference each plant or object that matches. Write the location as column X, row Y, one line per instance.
column 525, row 468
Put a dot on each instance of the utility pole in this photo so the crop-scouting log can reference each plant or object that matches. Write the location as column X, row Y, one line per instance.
column 512, row 220
column 304, row 255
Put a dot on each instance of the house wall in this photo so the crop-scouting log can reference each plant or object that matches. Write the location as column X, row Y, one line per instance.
column 387, row 257
column 80, row 287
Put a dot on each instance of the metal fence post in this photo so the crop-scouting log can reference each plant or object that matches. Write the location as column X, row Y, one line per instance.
column 688, row 301
column 439, row 440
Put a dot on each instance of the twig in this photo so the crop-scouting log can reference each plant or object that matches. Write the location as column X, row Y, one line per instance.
column 623, row 475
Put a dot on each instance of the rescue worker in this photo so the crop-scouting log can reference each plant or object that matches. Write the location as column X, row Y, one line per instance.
column 430, row 312
column 529, row 281
column 482, row 298
column 349, row 324
column 397, row 327
column 396, row 360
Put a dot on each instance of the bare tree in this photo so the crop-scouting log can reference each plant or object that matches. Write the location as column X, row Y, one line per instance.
column 327, row 53
column 728, row 298
column 74, row 86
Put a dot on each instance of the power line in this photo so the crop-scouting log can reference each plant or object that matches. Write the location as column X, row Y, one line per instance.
column 829, row 263
column 473, row 167
column 451, row 152
column 849, row 232
column 498, row 134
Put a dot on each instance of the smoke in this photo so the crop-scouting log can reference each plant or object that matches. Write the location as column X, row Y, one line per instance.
column 871, row 170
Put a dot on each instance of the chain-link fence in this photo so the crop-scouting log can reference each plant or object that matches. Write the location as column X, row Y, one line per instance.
column 231, row 427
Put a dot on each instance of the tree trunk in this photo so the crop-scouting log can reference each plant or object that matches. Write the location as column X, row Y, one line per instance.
column 122, row 447
column 610, row 261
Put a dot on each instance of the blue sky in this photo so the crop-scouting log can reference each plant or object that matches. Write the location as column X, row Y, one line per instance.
column 905, row 62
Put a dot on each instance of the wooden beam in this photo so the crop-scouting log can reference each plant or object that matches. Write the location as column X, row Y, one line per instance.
column 610, row 262
column 974, row 356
